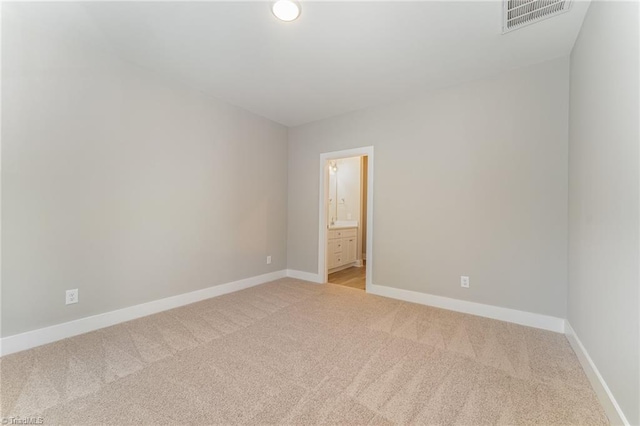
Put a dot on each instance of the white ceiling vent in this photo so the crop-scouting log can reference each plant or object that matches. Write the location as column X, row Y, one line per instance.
column 519, row 13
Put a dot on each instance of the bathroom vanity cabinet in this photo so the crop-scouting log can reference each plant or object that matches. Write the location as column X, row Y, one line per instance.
column 342, row 247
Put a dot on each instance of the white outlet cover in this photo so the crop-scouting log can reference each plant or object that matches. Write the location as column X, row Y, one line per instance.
column 464, row 281
column 71, row 296
column 268, row 260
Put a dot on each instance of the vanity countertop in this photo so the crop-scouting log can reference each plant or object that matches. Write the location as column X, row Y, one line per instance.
column 344, row 224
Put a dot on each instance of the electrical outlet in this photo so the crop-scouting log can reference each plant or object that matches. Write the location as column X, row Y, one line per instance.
column 72, row 296
column 464, row 281
column 268, row 260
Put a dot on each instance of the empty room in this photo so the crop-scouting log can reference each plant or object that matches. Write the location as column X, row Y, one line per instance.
column 320, row 212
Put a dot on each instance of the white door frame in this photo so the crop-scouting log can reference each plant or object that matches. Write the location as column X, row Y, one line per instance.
column 324, row 193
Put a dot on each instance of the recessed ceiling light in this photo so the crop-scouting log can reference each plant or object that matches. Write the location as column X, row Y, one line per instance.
column 286, row 10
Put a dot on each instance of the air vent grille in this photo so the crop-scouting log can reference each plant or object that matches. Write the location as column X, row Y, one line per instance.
column 518, row 13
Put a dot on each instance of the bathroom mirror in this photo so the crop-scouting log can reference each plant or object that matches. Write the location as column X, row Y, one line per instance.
column 344, row 190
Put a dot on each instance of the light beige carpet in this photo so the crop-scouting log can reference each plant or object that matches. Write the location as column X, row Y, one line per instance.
column 290, row 352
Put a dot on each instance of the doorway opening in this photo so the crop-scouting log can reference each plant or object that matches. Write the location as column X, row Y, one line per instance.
column 346, row 217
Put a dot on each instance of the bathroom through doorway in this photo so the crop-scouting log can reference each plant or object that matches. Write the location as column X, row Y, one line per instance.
column 346, row 206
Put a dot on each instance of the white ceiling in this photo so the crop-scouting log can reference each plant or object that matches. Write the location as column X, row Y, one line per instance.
column 337, row 57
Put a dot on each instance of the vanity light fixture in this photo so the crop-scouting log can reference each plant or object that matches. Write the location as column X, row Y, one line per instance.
column 286, row 10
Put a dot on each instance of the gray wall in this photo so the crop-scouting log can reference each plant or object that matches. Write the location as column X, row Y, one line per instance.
column 604, row 197
column 471, row 180
column 120, row 184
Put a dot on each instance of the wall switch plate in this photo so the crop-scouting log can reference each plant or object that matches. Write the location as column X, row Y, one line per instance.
column 72, row 296
column 268, row 260
column 464, row 281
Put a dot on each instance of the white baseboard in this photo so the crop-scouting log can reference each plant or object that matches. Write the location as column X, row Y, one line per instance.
column 529, row 319
column 42, row 336
column 609, row 403
column 306, row 276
